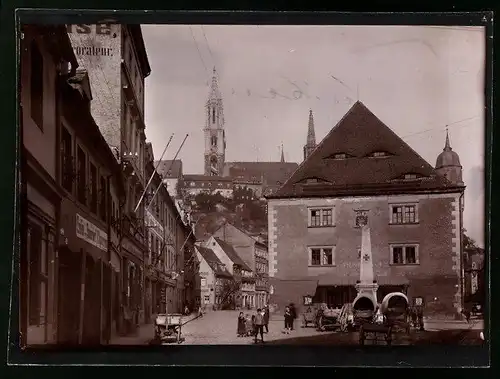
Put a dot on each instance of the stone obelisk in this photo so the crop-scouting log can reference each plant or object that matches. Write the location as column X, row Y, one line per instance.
column 366, row 284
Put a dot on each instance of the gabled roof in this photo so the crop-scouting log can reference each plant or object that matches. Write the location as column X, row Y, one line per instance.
column 169, row 168
column 231, row 253
column 343, row 163
column 214, row 262
column 251, row 237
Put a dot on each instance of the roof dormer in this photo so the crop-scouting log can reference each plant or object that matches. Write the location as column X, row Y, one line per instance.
column 379, row 154
column 312, row 180
column 339, row 156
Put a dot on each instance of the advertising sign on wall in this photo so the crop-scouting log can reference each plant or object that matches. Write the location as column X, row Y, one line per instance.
column 91, row 233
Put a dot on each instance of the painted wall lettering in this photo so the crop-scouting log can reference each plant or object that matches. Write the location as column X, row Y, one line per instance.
column 91, row 233
column 91, row 50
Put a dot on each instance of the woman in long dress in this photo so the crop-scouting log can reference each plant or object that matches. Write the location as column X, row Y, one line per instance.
column 241, row 325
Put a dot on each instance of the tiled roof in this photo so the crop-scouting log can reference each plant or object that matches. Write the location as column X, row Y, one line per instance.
column 169, row 168
column 231, row 253
column 205, row 178
column 271, row 173
column 214, row 262
column 358, row 135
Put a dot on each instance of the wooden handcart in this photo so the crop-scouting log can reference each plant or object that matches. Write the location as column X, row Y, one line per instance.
column 168, row 328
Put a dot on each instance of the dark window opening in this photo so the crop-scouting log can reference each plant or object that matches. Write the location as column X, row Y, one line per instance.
column 315, row 217
column 82, row 178
column 67, row 160
column 327, row 257
column 37, row 276
column 102, row 200
column 411, row 255
column 397, row 255
column 36, row 102
column 315, row 257
column 93, row 188
column 213, row 115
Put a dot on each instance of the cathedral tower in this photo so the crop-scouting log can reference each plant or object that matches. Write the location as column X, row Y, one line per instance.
column 311, row 137
column 215, row 137
column 448, row 164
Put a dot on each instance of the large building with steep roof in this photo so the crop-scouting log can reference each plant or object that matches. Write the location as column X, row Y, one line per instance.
column 414, row 211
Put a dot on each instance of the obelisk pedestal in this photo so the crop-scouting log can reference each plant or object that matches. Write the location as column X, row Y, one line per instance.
column 366, row 284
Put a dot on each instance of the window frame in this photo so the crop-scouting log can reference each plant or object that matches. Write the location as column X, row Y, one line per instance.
column 322, row 211
column 404, row 206
column 404, row 246
column 67, row 159
column 81, row 187
column 37, row 70
column 93, row 195
column 322, row 249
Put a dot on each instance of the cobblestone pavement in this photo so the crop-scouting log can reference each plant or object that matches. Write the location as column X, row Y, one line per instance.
column 219, row 327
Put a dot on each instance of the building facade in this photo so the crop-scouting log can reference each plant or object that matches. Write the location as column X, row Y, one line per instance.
column 244, row 291
column 92, row 182
column 254, row 254
column 196, row 184
column 214, row 277
column 414, row 213
column 45, row 52
column 115, row 57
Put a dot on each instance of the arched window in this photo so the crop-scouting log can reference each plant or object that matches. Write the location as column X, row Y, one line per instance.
column 213, row 115
column 214, row 141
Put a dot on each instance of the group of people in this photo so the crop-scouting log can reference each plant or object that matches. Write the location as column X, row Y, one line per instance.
column 255, row 325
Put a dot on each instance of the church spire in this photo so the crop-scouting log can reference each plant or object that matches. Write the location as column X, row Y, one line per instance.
column 215, row 93
column 215, row 136
column 282, row 155
column 447, row 146
column 311, row 136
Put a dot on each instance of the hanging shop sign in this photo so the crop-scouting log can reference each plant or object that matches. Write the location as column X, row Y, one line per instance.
column 90, row 233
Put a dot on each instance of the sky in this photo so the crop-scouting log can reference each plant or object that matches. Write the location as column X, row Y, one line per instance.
column 419, row 80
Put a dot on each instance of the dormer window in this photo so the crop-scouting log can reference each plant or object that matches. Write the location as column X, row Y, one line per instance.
column 340, row 156
column 410, row 176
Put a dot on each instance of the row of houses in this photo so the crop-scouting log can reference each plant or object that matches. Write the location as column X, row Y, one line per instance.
column 103, row 247
column 232, row 270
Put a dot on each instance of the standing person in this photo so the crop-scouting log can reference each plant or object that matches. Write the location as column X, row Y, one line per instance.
column 266, row 318
column 241, row 325
column 259, row 325
column 293, row 313
column 288, row 320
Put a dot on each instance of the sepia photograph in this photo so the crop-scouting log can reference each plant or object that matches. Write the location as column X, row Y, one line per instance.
column 203, row 184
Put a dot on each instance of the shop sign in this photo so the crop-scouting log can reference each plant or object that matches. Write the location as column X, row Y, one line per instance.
column 91, row 233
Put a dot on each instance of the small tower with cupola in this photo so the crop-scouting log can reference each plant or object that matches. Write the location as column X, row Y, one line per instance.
column 448, row 164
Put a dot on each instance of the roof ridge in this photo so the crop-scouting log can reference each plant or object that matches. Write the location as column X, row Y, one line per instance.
column 321, row 143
